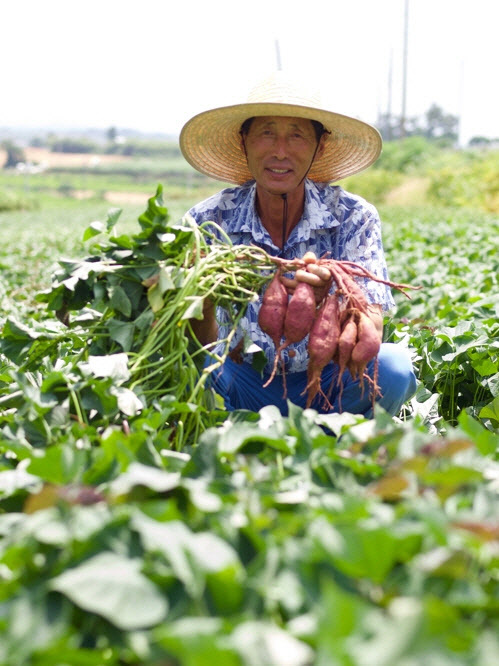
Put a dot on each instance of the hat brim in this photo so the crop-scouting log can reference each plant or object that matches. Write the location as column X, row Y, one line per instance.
column 211, row 143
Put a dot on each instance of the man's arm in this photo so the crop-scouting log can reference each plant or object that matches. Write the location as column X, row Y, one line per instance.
column 206, row 329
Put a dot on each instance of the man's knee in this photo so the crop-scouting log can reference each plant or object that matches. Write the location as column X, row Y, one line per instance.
column 396, row 376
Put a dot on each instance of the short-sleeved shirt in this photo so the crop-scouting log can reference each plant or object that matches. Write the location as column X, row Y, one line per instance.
column 335, row 223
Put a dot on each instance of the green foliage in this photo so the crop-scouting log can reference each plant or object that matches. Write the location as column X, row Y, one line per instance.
column 472, row 182
column 268, row 543
column 452, row 322
column 453, row 178
column 287, row 541
column 374, row 185
column 10, row 201
column 128, row 308
column 406, row 155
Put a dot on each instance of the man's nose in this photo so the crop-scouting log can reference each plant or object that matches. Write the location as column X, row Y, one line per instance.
column 280, row 147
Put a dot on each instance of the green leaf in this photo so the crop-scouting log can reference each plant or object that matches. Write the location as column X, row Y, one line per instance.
column 113, row 586
column 197, row 640
column 122, row 332
column 114, row 366
column 369, row 552
column 487, row 442
column 112, row 217
column 155, row 298
column 194, row 308
column 490, row 411
column 94, row 229
column 144, row 475
column 119, row 300
column 238, row 436
column 165, row 280
column 128, row 402
column 195, row 557
column 13, row 480
column 260, row 642
column 59, row 464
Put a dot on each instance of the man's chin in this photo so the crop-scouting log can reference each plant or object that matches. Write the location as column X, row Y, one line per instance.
column 279, row 188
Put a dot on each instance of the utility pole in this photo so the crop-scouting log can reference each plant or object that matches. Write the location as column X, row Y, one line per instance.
column 389, row 102
column 278, row 55
column 404, row 71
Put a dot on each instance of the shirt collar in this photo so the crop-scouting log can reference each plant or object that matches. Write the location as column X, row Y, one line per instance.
column 316, row 214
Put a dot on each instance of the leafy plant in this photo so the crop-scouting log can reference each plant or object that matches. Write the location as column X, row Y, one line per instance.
column 131, row 341
column 242, row 538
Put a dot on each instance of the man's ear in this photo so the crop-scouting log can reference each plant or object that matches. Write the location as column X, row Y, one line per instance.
column 322, row 145
column 243, row 144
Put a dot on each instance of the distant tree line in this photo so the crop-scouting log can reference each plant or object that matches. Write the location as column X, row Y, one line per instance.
column 434, row 125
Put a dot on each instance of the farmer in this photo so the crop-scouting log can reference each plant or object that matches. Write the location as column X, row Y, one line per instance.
column 282, row 150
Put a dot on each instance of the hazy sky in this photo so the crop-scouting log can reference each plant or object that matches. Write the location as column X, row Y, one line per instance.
column 152, row 64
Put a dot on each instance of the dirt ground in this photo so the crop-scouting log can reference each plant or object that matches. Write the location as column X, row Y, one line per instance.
column 45, row 157
column 50, row 159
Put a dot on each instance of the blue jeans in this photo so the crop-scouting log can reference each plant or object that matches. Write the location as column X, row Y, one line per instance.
column 242, row 387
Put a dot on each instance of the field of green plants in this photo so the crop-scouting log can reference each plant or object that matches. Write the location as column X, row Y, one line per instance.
column 141, row 524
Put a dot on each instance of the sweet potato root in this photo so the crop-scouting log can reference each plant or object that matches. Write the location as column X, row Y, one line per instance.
column 367, row 346
column 300, row 314
column 346, row 342
column 298, row 320
column 322, row 344
column 273, row 309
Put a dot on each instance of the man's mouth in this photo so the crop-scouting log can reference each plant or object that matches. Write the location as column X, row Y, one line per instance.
column 279, row 171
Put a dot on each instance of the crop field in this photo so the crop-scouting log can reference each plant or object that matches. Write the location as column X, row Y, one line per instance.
column 141, row 524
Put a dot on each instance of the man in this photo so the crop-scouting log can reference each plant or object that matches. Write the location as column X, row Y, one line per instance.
column 282, row 150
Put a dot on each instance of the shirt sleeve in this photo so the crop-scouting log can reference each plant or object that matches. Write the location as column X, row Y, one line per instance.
column 362, row 243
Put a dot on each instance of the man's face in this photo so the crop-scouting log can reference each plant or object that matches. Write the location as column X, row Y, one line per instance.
column 279, row 152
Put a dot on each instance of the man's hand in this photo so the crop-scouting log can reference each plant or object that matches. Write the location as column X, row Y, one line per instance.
column 318, row 277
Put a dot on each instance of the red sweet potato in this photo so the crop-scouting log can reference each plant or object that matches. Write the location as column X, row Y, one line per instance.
column 300, row 313
column 298, row 321
column 346, row 343
column 322, row 344
column 367, row 345
column 273, row 309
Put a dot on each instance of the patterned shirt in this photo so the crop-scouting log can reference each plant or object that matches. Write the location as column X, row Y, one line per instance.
column 334, row 223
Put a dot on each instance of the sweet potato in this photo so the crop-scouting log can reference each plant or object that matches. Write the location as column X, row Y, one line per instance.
column 273, row 309
column 346, row 343
column 322, row 344
column 300, row 313
column 367, row 345
column 298, row 321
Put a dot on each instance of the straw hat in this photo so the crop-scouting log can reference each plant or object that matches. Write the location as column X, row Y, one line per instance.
column 211, row 143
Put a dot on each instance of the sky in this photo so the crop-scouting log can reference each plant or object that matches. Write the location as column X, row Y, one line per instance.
column 152, row 64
